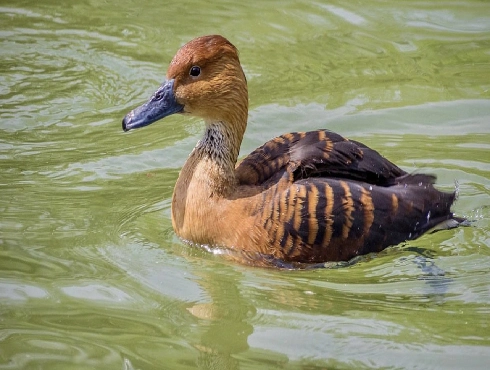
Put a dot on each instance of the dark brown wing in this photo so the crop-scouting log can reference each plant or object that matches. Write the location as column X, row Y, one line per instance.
column 326, row 198
column 324, row 219
column 320, row 153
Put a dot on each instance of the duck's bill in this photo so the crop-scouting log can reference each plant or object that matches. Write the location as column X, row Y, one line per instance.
column 160, row 105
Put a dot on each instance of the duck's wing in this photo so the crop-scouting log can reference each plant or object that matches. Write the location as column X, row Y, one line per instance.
column 320, row 153
column 324, row 219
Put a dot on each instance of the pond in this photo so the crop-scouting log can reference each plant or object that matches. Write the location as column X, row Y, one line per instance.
column 92, row 275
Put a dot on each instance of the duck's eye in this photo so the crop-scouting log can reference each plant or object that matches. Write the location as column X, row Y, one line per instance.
column 195, row 71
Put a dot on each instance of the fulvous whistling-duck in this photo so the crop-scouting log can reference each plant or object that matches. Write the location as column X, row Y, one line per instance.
column 303, row 197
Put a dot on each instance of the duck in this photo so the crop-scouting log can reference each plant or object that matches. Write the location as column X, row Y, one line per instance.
column 301, row 198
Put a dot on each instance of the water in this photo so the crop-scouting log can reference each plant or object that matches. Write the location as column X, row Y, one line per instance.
column 91, row 274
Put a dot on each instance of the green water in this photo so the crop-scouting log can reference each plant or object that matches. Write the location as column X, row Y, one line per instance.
column 91, row 273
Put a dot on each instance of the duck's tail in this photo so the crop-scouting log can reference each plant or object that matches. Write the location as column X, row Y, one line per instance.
column 437, row 201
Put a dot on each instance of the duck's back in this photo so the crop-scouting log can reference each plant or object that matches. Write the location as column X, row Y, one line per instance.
column 326, row 198
column 317, row 153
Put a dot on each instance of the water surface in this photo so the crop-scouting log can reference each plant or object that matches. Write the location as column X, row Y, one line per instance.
column 91, row 273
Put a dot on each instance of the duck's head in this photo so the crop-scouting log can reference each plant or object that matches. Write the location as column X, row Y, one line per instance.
column 204, row 79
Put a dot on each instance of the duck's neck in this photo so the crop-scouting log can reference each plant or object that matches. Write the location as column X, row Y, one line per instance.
column 208, row 175
column 216, row 154
column 211, row 165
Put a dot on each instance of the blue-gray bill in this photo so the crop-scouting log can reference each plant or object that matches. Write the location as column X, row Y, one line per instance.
column 160, row 105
